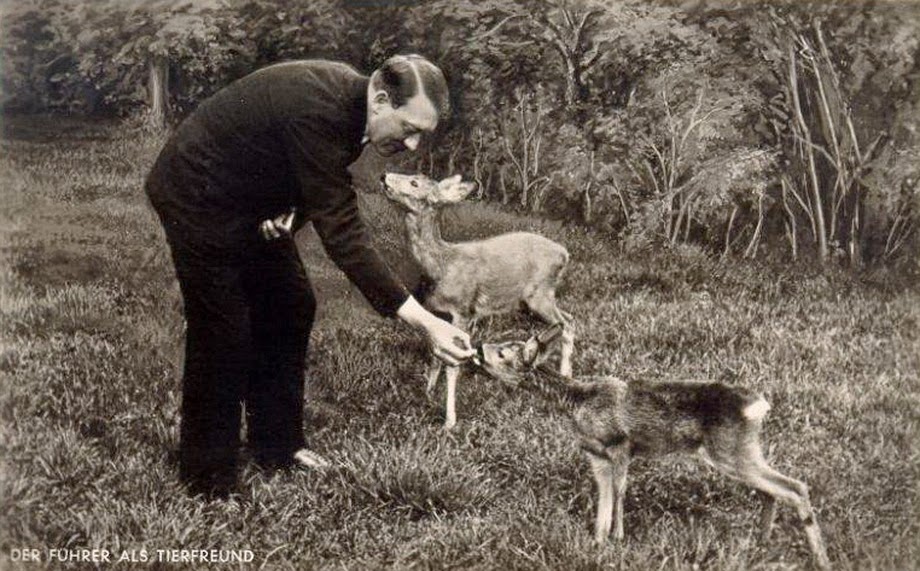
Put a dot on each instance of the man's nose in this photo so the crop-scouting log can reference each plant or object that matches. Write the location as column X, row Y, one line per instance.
column 411, row 142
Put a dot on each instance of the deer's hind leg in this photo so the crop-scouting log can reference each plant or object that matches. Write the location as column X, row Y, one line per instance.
column 544, row 304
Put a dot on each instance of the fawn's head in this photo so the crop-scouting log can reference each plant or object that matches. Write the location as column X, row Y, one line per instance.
column 417, row 192
column 508, row 361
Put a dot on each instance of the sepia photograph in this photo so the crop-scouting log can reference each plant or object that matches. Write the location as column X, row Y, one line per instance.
column 504, row 285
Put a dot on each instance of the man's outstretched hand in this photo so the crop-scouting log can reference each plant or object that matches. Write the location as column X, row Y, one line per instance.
column 448, row 343
column 278, row 227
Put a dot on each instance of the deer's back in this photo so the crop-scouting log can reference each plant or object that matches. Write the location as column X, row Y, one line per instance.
column 496, row 274
column 519, row 247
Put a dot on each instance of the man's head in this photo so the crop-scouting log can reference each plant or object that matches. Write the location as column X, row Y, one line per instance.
column 406, row 98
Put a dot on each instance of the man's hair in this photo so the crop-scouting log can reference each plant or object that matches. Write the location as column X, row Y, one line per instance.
column 397, row 76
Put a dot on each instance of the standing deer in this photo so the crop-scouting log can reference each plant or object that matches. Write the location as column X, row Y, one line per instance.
column 478, row 278
column 615, row 420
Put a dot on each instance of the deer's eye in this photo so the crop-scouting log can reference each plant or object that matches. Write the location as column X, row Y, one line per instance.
column 414, row 183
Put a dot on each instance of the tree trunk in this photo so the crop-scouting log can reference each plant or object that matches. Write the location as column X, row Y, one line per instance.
column 728, row 232
column 158, row 90
column 817, row 202
column 854, row 243
column 791, row 226
column 572, row 83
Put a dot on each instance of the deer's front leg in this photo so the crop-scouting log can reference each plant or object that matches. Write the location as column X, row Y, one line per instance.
column 450, row 416
column 433, row 373
column 566, row 350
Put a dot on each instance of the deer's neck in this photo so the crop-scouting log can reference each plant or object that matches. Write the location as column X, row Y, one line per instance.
column 564, row 393
column 429, row 249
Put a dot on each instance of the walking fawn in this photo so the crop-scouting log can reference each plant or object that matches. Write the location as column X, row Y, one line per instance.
column 478, row 278
column 615, row 420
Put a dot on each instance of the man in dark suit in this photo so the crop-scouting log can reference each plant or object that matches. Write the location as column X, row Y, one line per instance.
column 276, row 141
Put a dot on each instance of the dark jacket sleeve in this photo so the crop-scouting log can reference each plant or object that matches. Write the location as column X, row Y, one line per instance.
column 330, row 202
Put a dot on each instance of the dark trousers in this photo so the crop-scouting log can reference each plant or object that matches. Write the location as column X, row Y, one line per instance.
column 249, row 318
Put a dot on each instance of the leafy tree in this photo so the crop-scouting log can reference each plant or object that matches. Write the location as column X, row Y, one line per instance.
column 818, row 69
column 665, row 122
column 38, row 56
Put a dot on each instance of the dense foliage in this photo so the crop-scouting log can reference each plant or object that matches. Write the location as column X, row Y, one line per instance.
column 783, row 127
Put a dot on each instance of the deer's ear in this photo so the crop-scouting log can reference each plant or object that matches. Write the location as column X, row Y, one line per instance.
column 450, row 181
column 452, row 190
column 467, row 187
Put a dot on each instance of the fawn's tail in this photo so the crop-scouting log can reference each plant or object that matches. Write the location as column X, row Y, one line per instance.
column 756, row 410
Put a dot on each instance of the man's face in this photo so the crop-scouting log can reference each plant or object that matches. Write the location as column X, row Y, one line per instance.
column 393, row 130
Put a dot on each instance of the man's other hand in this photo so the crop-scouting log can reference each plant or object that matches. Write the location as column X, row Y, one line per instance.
column 277, row 227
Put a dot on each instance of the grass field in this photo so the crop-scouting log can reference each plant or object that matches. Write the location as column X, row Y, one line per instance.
column 91, row 351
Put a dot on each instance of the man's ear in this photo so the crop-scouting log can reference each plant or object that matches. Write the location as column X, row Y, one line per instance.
column 381, row 98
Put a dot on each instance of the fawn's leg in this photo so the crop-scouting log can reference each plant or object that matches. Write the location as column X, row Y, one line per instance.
column 619, row 456
column 751, row 468
column 602, row 468
column 767, row 516
column 805, row 511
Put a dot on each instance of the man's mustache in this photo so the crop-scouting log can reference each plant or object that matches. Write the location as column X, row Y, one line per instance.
column 393, row 147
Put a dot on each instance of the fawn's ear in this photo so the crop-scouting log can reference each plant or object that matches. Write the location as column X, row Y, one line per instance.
column 537, row 349
column 451, row 190
column 549, row 334
column 531, row 352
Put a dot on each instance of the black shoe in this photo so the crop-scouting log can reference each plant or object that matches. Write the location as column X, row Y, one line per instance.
column 272, row 460
column 210, row 492
column 211, row 486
